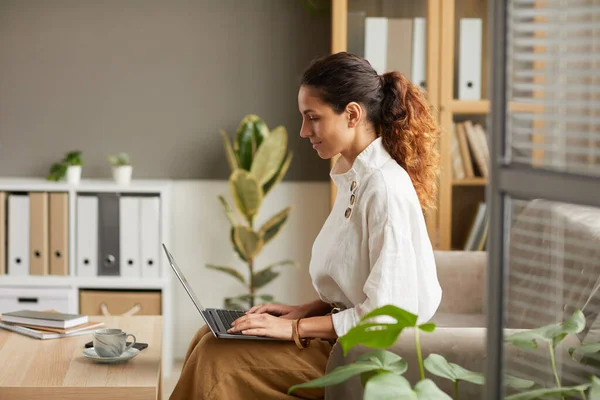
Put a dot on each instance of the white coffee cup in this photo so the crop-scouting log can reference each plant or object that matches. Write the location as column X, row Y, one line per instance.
column 111, row 342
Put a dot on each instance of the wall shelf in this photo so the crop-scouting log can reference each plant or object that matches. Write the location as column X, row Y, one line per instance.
column 470, row 182
column 470, row 107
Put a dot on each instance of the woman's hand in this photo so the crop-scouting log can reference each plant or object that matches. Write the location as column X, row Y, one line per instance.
column 263, row 325
column 280, row 310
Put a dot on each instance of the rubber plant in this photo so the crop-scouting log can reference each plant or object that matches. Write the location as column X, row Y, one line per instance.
column 381, row 370
column 258, row 160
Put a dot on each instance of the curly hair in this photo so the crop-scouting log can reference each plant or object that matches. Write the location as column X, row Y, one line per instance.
column 395, row 106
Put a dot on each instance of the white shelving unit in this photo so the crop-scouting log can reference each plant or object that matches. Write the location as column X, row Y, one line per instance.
column 72, row 283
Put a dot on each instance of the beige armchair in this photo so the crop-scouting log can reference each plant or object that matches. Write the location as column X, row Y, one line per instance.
column 460, row 335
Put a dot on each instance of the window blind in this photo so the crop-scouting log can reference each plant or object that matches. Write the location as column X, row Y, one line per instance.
column 553, row 71
column 552, row 248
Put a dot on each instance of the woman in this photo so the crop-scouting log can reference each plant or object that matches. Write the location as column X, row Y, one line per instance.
column 373, row 249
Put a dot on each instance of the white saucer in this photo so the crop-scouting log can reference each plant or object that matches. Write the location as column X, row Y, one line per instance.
column 127, row 355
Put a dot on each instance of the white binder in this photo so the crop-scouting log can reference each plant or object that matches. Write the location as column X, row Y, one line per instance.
column 419, row 52
column 469, row 67
column 376, row 32
column 18, row 235
column 130, row 236
column 87, row 236
column 150, row 237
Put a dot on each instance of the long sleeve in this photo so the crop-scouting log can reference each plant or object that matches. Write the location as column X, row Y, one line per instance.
column 374, row 248
column 402, row 272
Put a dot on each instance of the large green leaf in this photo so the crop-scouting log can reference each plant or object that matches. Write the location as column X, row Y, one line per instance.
column 266, row 275
column 590, row 354
column 278, row 177
column 541, row 393
column 234, row 244
column 274, row 224
column 589, row 348
column 269, row 156
column 438, row 365
column 375, row 361
column 389, row 386
column 246, row 192
column 230, row 155
column 231, row 304
column 378, row 335
column 552, row 334
column 595, row 389
column 248, row 241
column 267, row 298
column 228, row 270
column 228, row 211
column 250, row 134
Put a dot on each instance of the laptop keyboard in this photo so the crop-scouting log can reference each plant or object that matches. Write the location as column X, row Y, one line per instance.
column 228, row 316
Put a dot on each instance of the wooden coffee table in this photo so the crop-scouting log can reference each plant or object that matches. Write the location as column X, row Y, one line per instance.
column 57, row 369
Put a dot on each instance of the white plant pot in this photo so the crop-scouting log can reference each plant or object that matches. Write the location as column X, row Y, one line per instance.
column 122, row 174
column 74, row 174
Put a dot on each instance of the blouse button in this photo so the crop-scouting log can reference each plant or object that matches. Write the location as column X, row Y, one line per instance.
column 352, row 199
column 347, row 213
column 353, row 186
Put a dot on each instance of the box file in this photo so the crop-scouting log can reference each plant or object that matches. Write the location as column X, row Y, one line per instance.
column 150, row 238
column 38, row 233
column 18, row 234
column 87, row 235
column 108, row 234
column 59, row 233
column 469, row 71
column 2, row 233
column 130, row 236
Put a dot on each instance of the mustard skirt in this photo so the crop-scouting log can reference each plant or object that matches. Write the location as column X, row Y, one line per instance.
column 224, row 369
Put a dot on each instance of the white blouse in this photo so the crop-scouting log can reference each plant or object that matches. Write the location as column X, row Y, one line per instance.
column 374, row 249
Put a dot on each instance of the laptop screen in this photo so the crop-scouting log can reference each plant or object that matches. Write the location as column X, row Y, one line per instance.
column 183, row 281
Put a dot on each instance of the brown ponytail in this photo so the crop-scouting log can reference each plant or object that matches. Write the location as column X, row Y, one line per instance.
column 409, row 133
column 396, row 107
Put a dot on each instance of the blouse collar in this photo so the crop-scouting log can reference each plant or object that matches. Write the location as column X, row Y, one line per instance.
column 371, row 158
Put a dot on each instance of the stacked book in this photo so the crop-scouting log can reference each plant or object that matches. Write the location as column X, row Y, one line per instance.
column 470, row 152
column 48, row 324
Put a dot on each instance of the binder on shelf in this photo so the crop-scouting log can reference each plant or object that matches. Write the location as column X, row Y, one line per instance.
column 419, row 52
column 150, row 238
column 2, row 233
column 376, row 37
column 87, row 235
column 59, row 233
column 38, row 233
column 130, row 236
column 470, row 50
column 399, row 46
column 18, row 234
column 108, row 234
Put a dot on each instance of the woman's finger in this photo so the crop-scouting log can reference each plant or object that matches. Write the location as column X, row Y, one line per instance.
column 253, row 309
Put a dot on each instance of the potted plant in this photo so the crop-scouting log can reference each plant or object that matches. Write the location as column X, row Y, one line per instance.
column 381, row 370
column 121, row 168
column 258, row 161
column 70, row 166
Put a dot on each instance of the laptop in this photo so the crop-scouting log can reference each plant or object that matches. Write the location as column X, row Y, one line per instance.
column 218, row 320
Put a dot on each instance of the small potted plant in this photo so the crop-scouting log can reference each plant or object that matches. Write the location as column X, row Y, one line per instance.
column 121, row 168
column 70, row 166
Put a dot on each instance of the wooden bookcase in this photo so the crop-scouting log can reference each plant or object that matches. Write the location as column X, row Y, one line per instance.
column 449, row 223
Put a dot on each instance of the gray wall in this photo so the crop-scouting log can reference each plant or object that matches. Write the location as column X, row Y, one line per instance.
column 154, row 78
